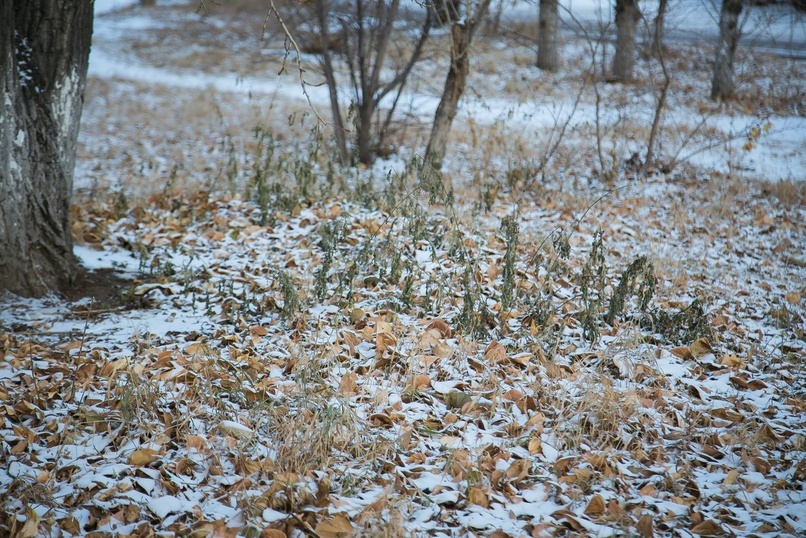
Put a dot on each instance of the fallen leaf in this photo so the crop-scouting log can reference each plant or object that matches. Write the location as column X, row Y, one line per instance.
column 456, row 400
column 732, row 477
column 645, row 527
column 348, row 386
column 143, row 456
column 596, row 506
column 682, row 352
column 477, row 496
column 701, row 347
column 708, row 528
column 336, row 527
column 495, row 352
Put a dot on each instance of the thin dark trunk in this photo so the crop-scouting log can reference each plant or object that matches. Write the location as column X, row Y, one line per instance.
column 364, row 135
column 461, row 39
column 548, row 55
column 729, row 34
column 627, row 16
column 667, row 81
column 657, row 36
column 322, row 10
column 44, row 52
column 449, row 104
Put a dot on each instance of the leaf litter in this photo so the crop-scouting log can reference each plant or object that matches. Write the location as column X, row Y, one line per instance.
column 351, row 369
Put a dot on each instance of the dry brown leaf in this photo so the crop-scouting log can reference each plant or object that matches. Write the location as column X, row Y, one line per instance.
column 143, row 456
column 478, row 497
column 421, row 381
column 615, row 510
column 649, row 490
column 196, row 442
column 336, row 527
column 596, row 506
column 570, row 518
column 348, row 385
column 708, row 528
column 731, row 361
column 518, row 470
column 701, row 347
column 110, row 368
column 682, row 352
column 258, row 330
column 645, row 527
column 732, row 477
column 441, row 326
column 535, row 445
column 513, row 395
column 495, row 352
column 793, row 297
column 272, row 533
column 761, row 465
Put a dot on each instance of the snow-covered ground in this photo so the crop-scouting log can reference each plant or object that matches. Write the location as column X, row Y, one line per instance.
column 345, row 364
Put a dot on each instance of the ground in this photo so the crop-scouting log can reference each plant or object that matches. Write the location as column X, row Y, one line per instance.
column 550, row 342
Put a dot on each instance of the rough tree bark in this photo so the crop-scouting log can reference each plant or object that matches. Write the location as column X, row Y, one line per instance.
column 627, row 16
column 44, row 53
column 729, row 34
column 548, row 55
column 461, row 37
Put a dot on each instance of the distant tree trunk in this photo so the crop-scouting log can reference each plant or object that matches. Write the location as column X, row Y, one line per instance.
column 627, row 16
column 445, row 11
column 657, row 38
column 44, row 52
column 330, row 79
column 729, row 33
column 548, row 55
column 461, row 38
column 449, row 104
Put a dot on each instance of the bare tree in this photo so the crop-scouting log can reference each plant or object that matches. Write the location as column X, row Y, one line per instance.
column 548, row 55
column 44, row 53
column 627, row 16
column 364, row 36
column 729, row 34
column 463, row 30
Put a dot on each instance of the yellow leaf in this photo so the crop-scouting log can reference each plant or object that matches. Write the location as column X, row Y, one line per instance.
column 535, row 445
column 336, row 527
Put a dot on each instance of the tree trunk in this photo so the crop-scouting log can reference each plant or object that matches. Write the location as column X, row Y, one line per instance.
column 449, row 104
column 627, row 16
column 445, row 11
column 657, row 35
column 729, row 33
column 44, row 52
column 364, row 134
column 548, row 56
